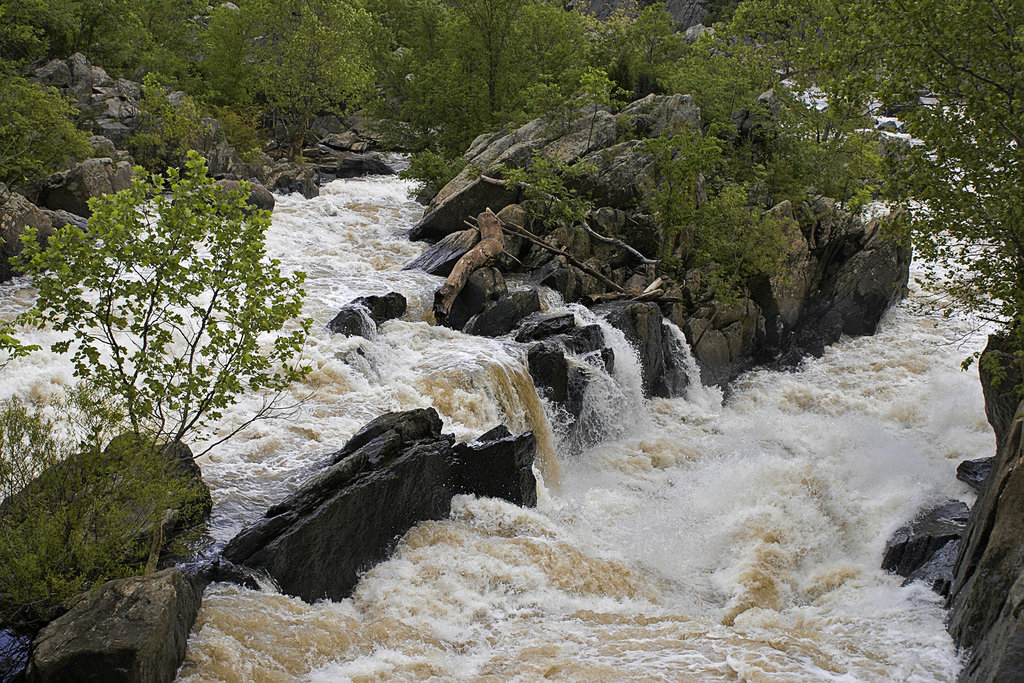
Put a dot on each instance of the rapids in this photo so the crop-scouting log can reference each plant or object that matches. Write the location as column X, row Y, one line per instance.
column 701, row 539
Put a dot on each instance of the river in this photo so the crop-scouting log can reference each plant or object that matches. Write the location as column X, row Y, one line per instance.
column 701, row 539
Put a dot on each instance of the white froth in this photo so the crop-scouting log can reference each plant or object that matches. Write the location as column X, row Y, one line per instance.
column 700, row 540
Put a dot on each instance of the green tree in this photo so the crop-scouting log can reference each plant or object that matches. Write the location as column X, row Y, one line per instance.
column 308, row 59
column 37, row 134
column 966, row 173
column 167, row 130
column 173, row 307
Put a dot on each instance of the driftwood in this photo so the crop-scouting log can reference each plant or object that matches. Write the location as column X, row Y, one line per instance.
column 520, row 231
column 491, row 245
column 593, row 233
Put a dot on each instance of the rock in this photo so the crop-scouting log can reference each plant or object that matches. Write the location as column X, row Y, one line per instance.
column 397, row 471
column 502, row 316
column 362, row 164
column 913, row 548
column 18, row 214
column 985, row 618
column 975, row 473
column 657, row 115
column 361, row 316
column 72, row 190
column 497, row 465
column 259, row 198
column 547, row 327
column 286, row 178
column 483, row 287
column 642, row 324
column 561, row 382
column 467, row 194
column 440, row 258
column 132, row 629
column 1000, row 373
column 353, row 321
column 102, row 146
column 54, row 73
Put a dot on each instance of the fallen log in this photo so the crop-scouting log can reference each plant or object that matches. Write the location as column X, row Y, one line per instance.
column 491, row 245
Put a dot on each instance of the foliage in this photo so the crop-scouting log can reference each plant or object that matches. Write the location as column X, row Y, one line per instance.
column 307, row 60
column 450, row 71
column 167, row 130
column 37, row 135
column 706, row 217
column 174, row 307
column 544, row 182
column 638, row 49
column 433, row 170
column 966, row 172
column 78, row 507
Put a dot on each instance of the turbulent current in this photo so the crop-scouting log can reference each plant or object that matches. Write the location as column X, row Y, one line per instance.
column 701, row 539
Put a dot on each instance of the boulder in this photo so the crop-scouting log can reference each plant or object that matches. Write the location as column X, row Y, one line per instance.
column 441, row 257
column 547, row 327
column 397, row 471
column 497, row 465
column 17, row 215
column 133, row 629
column 484, row 286
column 362, row 315
column 1000, row 373
column 924, row 548
column 71, row 190
column 644, row 329
column 287, row 178
column 975, row 473
column 260, row 198
column 359, row 165
column 502, row 316
column 985, row 618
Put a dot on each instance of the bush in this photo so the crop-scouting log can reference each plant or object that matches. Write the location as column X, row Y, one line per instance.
column 79, row 508
column 432, row 169
column 167, row 130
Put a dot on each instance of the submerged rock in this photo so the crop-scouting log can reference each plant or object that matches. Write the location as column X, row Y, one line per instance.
column 131, row 630
column 395, row 472
column 925, row 548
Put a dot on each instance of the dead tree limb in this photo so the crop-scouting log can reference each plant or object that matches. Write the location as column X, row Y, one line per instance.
column 491, row 245
column 621, row 245
column 520, row 231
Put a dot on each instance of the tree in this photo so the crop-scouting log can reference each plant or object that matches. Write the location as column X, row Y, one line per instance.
column 966, row 173
column 174, row 307
column 37, row 135
column 308, row 59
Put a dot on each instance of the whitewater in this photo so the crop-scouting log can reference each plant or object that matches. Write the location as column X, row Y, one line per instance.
column 702, row 538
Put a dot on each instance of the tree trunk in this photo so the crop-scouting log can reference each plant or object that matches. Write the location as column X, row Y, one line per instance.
column 492, row 243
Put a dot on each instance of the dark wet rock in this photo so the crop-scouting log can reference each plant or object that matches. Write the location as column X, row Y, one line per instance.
column 132, row 629
column 17, row 215
column 362, row 315
column 359, row 165
column 937, row 572
column 71, row 190
column 353, row 321
column 484, row 286
column 546, row 327
column 985, row 617
column 259, row 197
column 220, row 570
column 397, row 471
column 975, row 473
column 502, row 316
column 497, row 465
column 912, row 550
column 441, row 257
column 550, row 371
